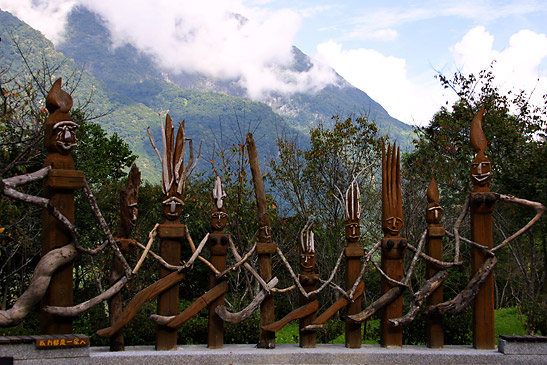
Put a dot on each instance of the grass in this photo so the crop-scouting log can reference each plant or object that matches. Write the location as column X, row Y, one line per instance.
column 508, row 321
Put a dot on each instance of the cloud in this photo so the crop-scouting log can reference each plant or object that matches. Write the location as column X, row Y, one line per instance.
column 49, row 17
column 220, row 38
column 516, row 67
column 385, row 79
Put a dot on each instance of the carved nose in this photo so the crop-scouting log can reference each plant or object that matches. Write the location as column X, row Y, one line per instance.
column 479, row 169
column 68, row 135
column 173, row 207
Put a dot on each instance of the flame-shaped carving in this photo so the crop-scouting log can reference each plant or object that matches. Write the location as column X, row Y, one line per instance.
column 57, row 99
column 478, row 139
column 434, row 210
column 392, row 202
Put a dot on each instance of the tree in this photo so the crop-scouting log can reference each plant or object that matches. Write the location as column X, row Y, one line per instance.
column 516, row 134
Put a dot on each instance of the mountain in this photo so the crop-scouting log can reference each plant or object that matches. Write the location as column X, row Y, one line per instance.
column 127, row 84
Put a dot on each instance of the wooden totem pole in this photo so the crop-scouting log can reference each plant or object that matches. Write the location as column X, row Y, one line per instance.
column 353, row 252
column 128, row 219
column 308, row 279
column 393, row 245
column 434, row 248
column 482, row 205
column 265, row 247
column 171, row 231
column 218, row 243
column 58, row 187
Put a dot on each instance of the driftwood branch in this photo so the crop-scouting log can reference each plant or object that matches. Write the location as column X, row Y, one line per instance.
column 202, row 259
column 420, row 296
column 76, row 310
column 439, row 264
column 406, row 280
column 49, row 263
column 98, row 215
column 246, row 313
column 384, row 300
column 538, row 207
column 466, row 296
column 248, row 267
column 331, row 277
column 298, row 313
column 293, row 275
column 151, row 236
column 238, row 264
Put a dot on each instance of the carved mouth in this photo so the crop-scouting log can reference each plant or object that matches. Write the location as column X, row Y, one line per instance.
column 172, row 216
column 481, row 177
column 66, row 146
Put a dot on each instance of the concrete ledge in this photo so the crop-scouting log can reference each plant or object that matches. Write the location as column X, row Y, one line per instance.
column 522, row 347
column 293, row 354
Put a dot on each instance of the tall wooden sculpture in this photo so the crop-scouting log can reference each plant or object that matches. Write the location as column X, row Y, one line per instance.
column 353, row 252
column 393, row 245
column 218, row 243
column 128, row 219
column 434, row 248
column 265, row 247
column 308, row 279
column 171, row 231
column 59, row 186
column 482, row 205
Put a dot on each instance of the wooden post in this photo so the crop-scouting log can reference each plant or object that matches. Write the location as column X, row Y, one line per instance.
column 265, row 248
column 308, row 278
column 353, row 252
column 218, row 243
column 434, row 248
column 393, row 245
column 171, row 232
column 482, row 205
column 128, row 219
column 58, row 187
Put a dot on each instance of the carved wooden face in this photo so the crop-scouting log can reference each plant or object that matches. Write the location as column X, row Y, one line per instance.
column 392, row 225
column 481, row 171
column 307, row 262
column 61, row 137
column 172, row 208
column 353, row 230
column 218, row 220
column 434, row 213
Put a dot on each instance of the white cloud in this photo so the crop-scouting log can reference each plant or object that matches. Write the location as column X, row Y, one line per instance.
column 49, row 17
column 516, row 67
column 384, row 79
column 221, row 38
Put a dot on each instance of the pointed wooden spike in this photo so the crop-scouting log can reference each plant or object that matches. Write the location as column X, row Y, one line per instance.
column 432, row 193
column 478, row 139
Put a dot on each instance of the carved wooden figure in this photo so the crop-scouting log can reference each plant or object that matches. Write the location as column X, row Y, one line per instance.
column 171, row 231
column 393, row 245
column 265, row 247
column 434, row 248
column 308, row 278
column 128, row 219
column 58, row 187
column 353, row 252
column 218, row 243
column 482, row 205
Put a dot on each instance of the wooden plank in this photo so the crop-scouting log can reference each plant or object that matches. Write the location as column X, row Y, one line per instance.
column 295, row 314
column 139, row 299
column 333, row 309
column 198, row 305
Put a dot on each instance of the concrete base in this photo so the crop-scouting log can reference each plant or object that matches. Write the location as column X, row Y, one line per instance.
column 522, row 348
column 287, row 354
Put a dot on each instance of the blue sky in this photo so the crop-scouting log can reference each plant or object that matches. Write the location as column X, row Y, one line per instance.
column 390, row 49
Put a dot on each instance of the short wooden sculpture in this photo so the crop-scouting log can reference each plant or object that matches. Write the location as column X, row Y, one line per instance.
column 434, row 248
column 128, row 218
